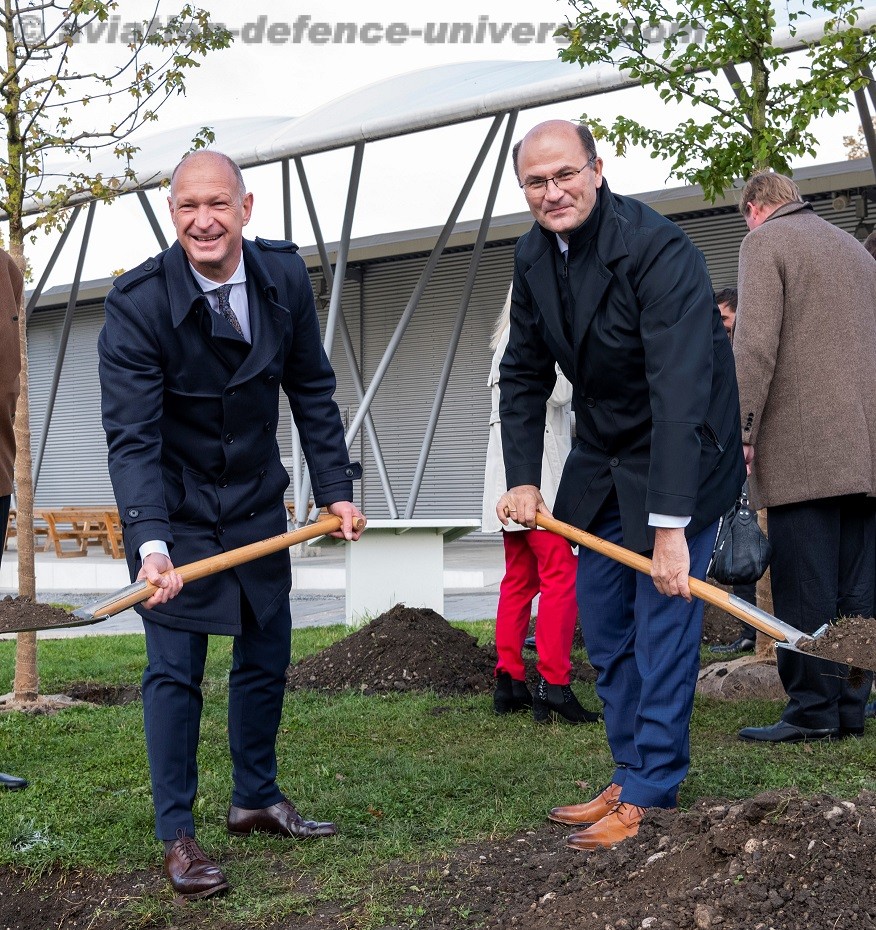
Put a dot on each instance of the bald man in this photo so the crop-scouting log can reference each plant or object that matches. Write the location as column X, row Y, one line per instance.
column 198, row 342
column 621, row 299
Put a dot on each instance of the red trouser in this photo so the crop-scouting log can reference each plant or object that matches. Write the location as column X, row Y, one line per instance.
column 537, row 560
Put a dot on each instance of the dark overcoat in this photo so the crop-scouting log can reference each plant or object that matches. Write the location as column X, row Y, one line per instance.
column 191, row 411
column 655, row 398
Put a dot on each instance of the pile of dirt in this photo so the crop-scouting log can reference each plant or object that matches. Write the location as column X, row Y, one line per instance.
column 851, row 640
column 719, row 626
column 773, row 861
column 777, row 861
column 21, row 613
column 404, row 649
column 409, row 649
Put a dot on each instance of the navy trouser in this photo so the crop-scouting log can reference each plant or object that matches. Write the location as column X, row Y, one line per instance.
column 645, row 648
column 822, row 568
column 172, row 705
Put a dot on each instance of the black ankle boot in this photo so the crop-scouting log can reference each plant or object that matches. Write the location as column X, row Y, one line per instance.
column 510, row 695
column 558, row 702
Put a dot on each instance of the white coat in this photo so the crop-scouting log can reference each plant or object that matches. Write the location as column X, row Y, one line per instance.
column 557, row 444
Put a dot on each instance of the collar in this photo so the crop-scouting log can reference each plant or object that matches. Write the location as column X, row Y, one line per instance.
column 206, row 285
column 585, row 233
column 787, row 208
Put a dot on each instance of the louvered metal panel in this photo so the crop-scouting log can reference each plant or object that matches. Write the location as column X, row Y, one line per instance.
column 453, row 480
column 74, row 468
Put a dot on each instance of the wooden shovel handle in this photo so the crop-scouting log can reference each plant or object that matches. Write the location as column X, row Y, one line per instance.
column 734, row 606
column 142, row 590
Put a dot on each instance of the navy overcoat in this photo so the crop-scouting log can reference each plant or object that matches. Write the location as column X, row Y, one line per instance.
column 654, row 385
column 191, row 411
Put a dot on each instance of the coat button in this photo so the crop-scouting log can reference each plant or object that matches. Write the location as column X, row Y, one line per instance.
column 148, row 265
column 267, row 427
column 614, row 462
column 348, row 472
column 232, row 392
column 270, row 379
column 221, row 530
column 590, row 402
column 252, row 515
column 263, row 473
column 229, row 438
column 134, row 513
column 222, row 482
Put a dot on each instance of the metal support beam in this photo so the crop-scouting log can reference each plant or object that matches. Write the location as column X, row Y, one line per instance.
column 352, row 364
column 425, row 277
column 38, row 290
column 732, row 76
column 444, row 380
column 867, row 126
column 153, row 220
column 62, row 347
column 287, row 201
column 340, row 271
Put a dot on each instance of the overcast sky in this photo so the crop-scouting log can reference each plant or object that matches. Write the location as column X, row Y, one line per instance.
column 284, row 63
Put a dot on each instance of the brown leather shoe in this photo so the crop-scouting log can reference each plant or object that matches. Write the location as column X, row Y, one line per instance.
column 281, row 819
column 191, row 873
column 576, row 814
column 615, row 827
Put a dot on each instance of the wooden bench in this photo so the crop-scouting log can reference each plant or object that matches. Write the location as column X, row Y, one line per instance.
column 40, row 532
column 83, row 526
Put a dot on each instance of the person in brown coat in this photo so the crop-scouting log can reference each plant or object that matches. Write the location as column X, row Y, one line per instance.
column 11, row 284
column 804, row 344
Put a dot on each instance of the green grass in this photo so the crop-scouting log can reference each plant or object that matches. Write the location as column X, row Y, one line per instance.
column 407, row 777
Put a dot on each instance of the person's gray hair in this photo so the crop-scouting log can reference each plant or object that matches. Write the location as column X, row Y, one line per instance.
column 503, row 321
column 212, row 153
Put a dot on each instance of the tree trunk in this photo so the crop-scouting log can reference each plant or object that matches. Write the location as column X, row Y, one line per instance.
column 26, row 687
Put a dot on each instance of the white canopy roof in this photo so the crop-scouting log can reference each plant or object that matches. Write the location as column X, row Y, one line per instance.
column 408, row 103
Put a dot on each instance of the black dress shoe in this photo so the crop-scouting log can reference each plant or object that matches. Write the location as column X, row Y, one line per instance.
column 281, row 819
column 510, row 695
column 529, row 642
column 558, row 702
column 12, row 782
column 784, row 732
column 743, row 644
column 191, row 873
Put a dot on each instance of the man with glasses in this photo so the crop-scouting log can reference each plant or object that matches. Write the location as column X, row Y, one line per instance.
column 621, row 298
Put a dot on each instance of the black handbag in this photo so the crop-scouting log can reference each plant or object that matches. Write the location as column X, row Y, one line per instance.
column 742, row 552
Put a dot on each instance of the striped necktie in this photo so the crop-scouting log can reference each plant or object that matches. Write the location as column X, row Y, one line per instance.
column 222, row 292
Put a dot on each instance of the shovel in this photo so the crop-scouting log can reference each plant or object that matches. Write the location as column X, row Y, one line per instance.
column 105, row 607
column 786, row 636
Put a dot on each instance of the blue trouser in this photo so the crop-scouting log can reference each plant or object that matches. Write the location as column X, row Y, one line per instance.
column 645, row 648
column 172, row 705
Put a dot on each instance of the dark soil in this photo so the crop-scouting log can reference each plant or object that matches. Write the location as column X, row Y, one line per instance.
column 773, row 862
column 851, row 640
column 18, row 614
column 105, row 695
column 407, row 649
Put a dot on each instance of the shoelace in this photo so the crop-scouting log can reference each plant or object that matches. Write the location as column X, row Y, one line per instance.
column 187, row 846
column 623, row 815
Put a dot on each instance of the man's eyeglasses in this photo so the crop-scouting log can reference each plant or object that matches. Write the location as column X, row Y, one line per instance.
column 562, row 180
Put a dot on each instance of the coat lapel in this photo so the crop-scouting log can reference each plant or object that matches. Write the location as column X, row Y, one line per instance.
column 589, row 270
column 541, row 277
column 266, row 316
